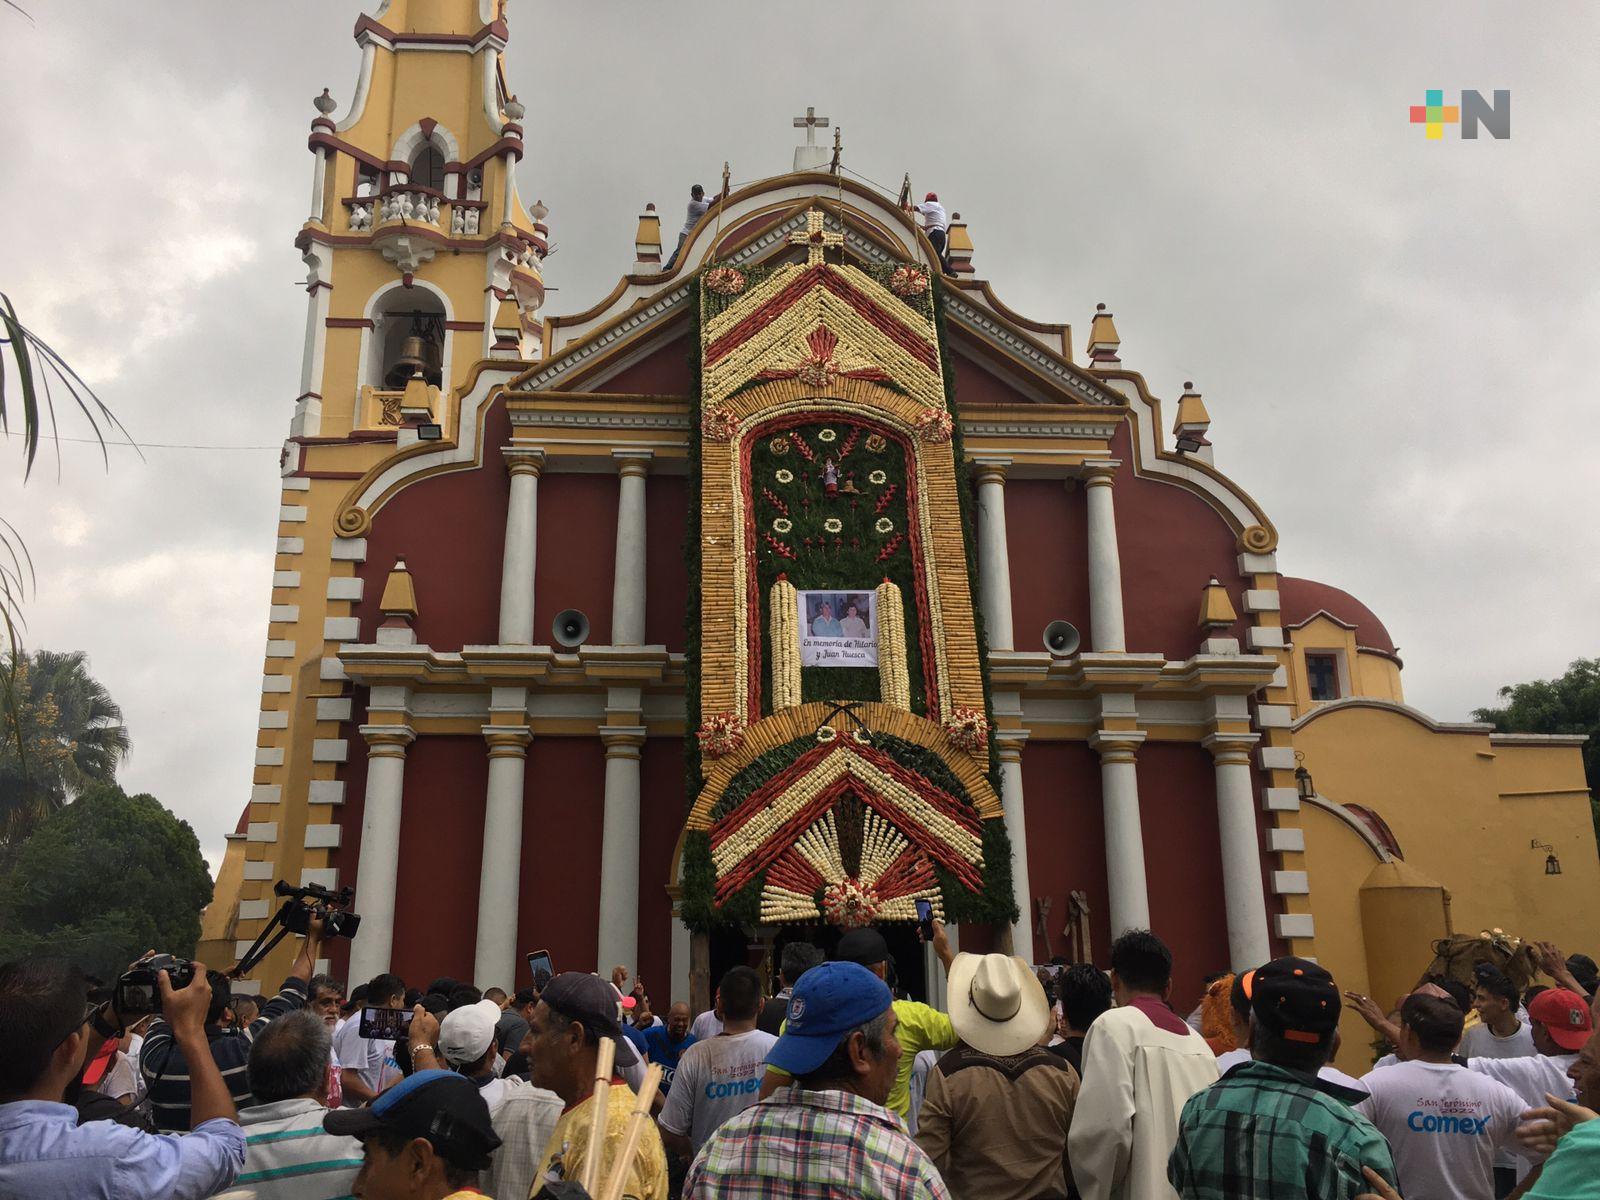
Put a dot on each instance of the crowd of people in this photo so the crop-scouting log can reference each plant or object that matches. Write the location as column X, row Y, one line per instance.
column 1056, row 1081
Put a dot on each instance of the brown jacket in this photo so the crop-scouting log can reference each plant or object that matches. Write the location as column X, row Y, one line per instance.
column 997, row 1127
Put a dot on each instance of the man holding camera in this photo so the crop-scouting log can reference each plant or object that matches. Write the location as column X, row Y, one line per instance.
column 165, row 1065
column 45, row 1038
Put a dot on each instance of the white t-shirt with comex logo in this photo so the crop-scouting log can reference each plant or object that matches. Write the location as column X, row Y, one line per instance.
column 1444, row 1124
column 717, row 1079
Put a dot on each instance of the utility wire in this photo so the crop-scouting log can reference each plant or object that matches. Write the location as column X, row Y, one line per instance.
column 150, row 445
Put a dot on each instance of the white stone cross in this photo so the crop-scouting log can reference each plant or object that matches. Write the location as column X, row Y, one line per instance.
column 811, row 123
column 815, row 238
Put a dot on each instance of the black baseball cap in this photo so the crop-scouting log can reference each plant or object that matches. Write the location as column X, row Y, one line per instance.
column 444, row 1108
column 593, row 1003
column 1295, row 998
column 864, row 946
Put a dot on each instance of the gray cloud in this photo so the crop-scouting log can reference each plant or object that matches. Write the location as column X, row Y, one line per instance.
column 1396, row 338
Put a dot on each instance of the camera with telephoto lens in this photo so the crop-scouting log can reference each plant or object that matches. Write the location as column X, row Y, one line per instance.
column 138, row 991
column 313, row 900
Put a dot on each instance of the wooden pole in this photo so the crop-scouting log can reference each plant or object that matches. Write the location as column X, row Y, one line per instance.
column 597, row 1129
column 630, row 1143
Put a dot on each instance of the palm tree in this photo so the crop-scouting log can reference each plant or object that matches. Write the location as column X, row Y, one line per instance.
column 70, row 735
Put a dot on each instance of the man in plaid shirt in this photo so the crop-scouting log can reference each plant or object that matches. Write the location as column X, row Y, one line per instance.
column 1271, row 1127
column 828, row 1135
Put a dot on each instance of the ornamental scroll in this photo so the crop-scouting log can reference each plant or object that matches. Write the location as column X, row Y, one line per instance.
column 833, row 578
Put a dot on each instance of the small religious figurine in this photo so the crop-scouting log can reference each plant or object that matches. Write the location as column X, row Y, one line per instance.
column 830, row 478
column 848, row 487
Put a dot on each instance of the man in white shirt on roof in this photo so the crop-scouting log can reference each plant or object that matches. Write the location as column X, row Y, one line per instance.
column 1141, row 1062
column 1444, row 1123
column 934, row 223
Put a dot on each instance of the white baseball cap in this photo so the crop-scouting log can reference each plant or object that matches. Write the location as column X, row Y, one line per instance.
column 466, row 1034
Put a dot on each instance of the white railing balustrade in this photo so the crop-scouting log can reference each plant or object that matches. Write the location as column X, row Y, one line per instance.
column 361, row 217
column 411, row 206
column 464, row 221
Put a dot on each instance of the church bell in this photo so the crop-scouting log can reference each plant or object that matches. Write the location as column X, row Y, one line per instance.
column 419, row 355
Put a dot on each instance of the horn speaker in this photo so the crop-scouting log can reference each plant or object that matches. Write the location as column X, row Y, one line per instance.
column 570, row 629
column 1061, row 638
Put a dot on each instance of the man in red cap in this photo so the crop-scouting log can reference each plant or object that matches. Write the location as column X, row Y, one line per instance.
column 934, row 223
column 1561, row 1025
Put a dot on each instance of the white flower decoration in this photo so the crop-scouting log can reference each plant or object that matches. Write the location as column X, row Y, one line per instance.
column 833, row 525
column 884, row 525
column 879, row 477
column 784, row 475
column 827, row 435
column 783, row 524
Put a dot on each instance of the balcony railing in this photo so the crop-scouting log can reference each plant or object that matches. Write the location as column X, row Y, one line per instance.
column 410, row 205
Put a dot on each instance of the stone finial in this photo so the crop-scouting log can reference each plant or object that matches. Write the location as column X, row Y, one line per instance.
column 539, row 211
column 507, row 328
column 647, row 243
column 325, row 104
column 1103, row 339
column 1216, row 608
column 958, row 246
column 399, row 607
column 515, row 109
column 1191, row 424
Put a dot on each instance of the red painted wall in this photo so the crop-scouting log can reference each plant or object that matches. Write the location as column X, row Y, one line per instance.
column 661, row 812
column 441, row 859
column 666, row 521
column 663, row 372
column 976, row 385
column 1047, row 543
column 1183, row 862
column 563, row 810
column 1171, row 541
column 1066, row 839
column 451, row 530
column 577, row 551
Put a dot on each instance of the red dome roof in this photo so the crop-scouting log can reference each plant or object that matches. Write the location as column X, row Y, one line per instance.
column 1302, row 599
column 243, row 827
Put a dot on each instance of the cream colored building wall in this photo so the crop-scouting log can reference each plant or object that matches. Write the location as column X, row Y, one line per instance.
column 1337, row 860
column 1361, row 673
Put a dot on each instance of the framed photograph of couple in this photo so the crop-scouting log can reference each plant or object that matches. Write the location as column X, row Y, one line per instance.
column 838, row 629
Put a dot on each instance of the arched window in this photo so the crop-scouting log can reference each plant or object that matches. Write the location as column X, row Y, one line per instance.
column 408, row 336
column 427, row 168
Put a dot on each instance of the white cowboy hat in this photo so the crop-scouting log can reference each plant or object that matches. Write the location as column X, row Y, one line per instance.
column 996, row 1004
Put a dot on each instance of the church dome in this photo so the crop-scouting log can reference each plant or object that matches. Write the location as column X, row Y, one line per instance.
column 1302, row 599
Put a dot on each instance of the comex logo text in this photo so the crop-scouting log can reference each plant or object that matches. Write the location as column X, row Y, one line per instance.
column 1473, row 111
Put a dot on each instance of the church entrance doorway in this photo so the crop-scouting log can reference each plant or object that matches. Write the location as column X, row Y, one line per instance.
column 762, row 949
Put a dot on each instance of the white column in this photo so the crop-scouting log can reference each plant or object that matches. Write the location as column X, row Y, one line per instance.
column 499, row 883
column 1119, row 786
column 994, row 562
column 307, row 420
column 379, row 871
column 1244, row 897
column 522, row 529
column 318, row 179
column 619, row 851
column 1008, row 744
column 627, row 590
column 1105, row 564
column 680, row 959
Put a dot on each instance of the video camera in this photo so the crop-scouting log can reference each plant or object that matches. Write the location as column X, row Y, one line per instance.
column 313, row 900
column 138, row 991
column 300, row 906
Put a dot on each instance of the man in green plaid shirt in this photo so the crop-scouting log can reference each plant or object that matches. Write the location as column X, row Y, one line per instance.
column 829, row 1135
column 1271, row 1127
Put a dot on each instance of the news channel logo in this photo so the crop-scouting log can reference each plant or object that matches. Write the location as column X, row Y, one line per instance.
column 1473, row 113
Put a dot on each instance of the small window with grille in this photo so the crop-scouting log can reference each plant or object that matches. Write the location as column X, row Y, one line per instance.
column 1322, row 675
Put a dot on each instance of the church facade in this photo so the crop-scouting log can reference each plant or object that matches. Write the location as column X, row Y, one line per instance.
column 795, row 585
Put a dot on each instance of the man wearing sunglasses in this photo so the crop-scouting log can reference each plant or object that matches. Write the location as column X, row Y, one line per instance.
column 46, row 1036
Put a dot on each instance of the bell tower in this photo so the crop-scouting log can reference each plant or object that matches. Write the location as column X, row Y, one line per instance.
column 423, row 261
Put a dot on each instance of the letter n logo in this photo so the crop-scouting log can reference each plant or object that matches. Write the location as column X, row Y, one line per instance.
column 1496, row 119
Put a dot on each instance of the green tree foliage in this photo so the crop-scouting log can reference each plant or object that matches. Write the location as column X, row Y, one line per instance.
column 103, row 880
column 1570, row 704
column 71, row 736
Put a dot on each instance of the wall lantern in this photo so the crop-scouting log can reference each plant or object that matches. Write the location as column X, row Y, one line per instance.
column 1302, row 778
column 1552, row 864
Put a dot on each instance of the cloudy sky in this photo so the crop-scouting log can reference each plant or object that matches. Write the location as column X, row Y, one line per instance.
column 1396, row 338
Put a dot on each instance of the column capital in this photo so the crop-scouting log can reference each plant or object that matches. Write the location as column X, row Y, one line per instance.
column 507, row 740
column 524, row 460
column 1117, row 745
column 387, row 740
column 1008, row 743
column 1099, row 473
column 990, row 469
column 622, row 741
column 1230, row 746
column 633, row 462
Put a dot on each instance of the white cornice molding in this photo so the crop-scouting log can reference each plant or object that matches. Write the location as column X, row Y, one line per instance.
column 1036, row 357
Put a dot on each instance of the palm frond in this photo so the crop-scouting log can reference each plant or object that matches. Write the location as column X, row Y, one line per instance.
column 12, row 4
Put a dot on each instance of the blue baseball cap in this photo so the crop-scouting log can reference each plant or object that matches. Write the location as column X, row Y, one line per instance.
column 442, row 1107
column 830, row 1000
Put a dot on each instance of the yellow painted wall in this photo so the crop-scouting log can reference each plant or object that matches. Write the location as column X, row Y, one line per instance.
column 1337, row 861
column 1448, row 793
column 1368, row 674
